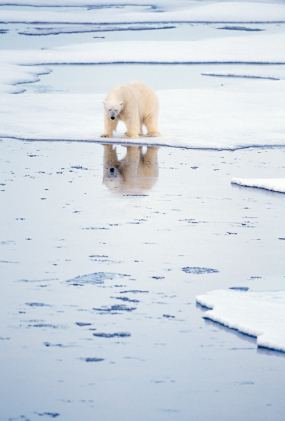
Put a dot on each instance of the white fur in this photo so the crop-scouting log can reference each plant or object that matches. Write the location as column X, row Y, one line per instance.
column 136, row 104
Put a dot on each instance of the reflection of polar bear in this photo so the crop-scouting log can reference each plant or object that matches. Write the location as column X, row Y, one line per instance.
column 136, row 170
column 136, row 104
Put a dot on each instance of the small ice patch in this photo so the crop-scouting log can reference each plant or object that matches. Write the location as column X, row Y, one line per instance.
column 112, row 335
column 94, row 278
column 114, row 309
column 126, row 299
column 37, row 305
column 199, row 271
column 56, row 30
column 241, row 28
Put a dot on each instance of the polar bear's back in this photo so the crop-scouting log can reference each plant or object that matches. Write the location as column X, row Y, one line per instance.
column 144, row 92
column 139, row 90
column 145, row 97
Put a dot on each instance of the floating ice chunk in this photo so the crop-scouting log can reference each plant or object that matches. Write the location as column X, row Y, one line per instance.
column 69, row 29
column 113, row 309
column 112, row 335
column 94, row 278
column 199, row 271
column 240, row 28
column 256, row 313
column 273, row 184
column 92, row 359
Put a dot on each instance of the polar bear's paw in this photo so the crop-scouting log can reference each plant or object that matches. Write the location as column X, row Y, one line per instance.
column 106, row 135
column 153, row 134
column 127, row 136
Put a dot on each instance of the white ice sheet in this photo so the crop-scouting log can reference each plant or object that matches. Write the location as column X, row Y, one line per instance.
column 217, row 118
column 172, row 12
column 255, row 313
column 225, row 117
column 261, row 48
column 277, row 185
column 258, row 48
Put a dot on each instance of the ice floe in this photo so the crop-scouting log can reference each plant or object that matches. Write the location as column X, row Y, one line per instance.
column 256, row 313
column 180, row 11
column 70, row 29
column 274, row 184
column 237, row 116
column 218, row 118
column 259, row 49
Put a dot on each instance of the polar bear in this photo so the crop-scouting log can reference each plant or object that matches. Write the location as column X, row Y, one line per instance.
column 137, row 170
column 136, row 104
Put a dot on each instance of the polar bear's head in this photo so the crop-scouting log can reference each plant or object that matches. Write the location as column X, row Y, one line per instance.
column 113, row 108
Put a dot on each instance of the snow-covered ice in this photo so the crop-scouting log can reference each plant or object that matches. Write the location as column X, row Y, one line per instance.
column 236, row 117
column 180, row 11
column 258, row 104
column 277, row 185
column 69, row 29
column 256, row 313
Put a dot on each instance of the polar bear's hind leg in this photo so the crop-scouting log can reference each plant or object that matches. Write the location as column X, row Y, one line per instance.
column 151, row 123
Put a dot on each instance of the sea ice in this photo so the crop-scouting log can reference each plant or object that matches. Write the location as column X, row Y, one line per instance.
column 178, row 11
column 259, row 105
column 256, row 313
column 69, row 29
column 274, row 184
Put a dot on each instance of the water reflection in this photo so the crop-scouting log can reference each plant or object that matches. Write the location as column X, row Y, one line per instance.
column 137, row 170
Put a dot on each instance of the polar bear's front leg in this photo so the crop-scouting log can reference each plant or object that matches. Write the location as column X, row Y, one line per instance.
column 133, row 125
column 110, row 126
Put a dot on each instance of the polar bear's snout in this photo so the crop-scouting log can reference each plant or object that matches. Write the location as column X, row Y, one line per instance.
column 112, row 170
column 113, row 116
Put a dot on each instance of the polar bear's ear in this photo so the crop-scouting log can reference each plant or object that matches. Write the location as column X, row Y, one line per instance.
column 104, row 102
column 121, row 103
